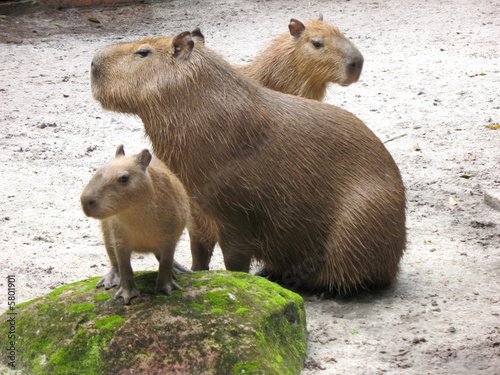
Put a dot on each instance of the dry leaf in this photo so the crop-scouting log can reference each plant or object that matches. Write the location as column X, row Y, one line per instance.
column 481, row 74
column 416, row 147
column 466, row 175
column 95, row 20
column 426, row 242
column 453, row 201
column 56, row 24
column 494, row 127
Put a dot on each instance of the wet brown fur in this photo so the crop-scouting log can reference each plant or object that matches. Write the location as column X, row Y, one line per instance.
column 145, row 213
column 303, row 187
column 294, row 65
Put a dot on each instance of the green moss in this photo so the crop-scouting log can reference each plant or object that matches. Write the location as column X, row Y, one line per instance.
column 83, row 290
column 80, row 308
column 24, row 304
column 102, row 297
column 111, row 323
column 221, row 299
column 84, row 354
column 247, row 368
column 74, row 329
column 91, row 316
column 176, row 312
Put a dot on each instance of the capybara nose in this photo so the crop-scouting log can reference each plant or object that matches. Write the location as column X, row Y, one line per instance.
column 91, row 203
column 96, row 65
column 88, row 204
column 355, row 66
column 94, row 68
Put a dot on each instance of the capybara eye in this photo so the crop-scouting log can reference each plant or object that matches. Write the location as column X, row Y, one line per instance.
column 124, row 179
column 318, row 43
column 143, row 52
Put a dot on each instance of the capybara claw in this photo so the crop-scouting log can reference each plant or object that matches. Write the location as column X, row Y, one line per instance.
column 111, row 279
column 167, row 289
column 127, row 294
column 180, row 269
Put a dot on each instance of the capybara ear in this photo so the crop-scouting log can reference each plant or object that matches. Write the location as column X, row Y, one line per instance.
column 296, row 27
column 320, row 18
column 144, row 158
column 197, row 35
column 183, row 45
column 120, row 151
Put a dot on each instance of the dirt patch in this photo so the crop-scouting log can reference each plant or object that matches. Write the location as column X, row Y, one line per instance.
column 431, row 76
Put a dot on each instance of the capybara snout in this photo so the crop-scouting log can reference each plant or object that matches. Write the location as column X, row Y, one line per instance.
column 354, row 66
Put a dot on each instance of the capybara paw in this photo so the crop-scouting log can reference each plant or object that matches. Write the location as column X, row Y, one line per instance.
column 111, row 279
column 265, row 273
column 179, row 269
column 167, row 288
column 127, row 294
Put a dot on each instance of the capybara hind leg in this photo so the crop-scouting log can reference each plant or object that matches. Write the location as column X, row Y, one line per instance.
column 203, row 237
column 178, row 268
column 165, row 282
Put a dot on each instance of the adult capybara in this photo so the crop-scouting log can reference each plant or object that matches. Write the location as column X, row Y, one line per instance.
column 305, row 60
column 300, row 63
column 142, row 207
column 303, row 187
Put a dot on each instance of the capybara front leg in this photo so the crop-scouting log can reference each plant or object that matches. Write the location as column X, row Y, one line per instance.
column 112, row 278
column 237, row 256
column 201, row 251
column 127, row 289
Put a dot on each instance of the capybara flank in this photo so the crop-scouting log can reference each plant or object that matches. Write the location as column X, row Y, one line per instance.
column 142, row 207
column 303, row 61
column 302, row 187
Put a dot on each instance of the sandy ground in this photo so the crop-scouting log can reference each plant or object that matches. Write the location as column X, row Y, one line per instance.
column 432, row 75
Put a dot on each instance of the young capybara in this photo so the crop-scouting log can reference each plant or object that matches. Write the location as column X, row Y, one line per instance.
column 142, row 207
column 304, row 61
column 303, row 187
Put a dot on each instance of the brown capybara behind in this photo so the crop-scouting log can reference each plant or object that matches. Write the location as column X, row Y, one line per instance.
column 304, row 61
column 142, row 207
column 303, row 187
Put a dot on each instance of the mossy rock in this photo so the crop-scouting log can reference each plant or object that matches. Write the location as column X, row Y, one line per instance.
column 219, row 323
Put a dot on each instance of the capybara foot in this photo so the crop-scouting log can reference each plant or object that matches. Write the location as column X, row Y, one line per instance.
column 179, row 269
column 265, row 273
column 167, row 288
column 111, row 279
column 127, row 294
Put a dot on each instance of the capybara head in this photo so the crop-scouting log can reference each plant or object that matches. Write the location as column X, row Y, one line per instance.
column 324, row 50
column 146, row 67
column 305, row 60
column 117, row 186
